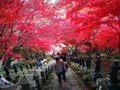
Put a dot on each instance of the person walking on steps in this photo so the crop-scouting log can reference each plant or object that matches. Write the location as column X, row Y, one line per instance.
column 60, row 69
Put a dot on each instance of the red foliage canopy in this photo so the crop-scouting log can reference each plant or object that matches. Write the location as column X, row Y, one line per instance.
column 38, row 24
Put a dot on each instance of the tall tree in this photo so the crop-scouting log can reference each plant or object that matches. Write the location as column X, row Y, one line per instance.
column 95, row 14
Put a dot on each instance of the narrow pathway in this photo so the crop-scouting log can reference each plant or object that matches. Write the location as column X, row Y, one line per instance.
column 73, row 82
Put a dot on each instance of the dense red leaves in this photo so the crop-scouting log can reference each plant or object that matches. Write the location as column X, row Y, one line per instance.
column 9, row 11
column 19, row 23
column 39, row 24
column 101, row 15
column 40, row 44
column 106, row 37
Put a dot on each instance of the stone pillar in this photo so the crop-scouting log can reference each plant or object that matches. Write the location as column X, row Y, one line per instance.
column 25, row 84
column 36, row 78
column 113, row 83
column 96, row 72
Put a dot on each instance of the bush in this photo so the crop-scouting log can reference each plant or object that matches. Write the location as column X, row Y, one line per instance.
column 87, row 77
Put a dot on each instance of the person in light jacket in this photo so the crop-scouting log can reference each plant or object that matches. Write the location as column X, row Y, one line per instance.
column 3, row 81
column 60, row 69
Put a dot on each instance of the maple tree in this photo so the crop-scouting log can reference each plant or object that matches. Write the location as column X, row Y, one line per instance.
column 39, row 24
column 7, row 22
column 101, row 15
column 19, row 21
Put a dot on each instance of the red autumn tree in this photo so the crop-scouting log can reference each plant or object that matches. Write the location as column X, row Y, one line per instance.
column 8, row 18
column 19, row 21
column 95, row 14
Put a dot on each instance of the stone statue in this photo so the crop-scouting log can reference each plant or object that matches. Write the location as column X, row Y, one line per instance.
column 80, row 61
column 20, row 66
column 83, row 61
column 26, row 65
column 15, row 69
column 97, row 64
column 30, row 65
column 7, row 73
column 113, row 72
column 88, row 62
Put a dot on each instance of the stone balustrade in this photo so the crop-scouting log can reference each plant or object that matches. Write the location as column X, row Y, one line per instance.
column 30, row 78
